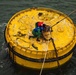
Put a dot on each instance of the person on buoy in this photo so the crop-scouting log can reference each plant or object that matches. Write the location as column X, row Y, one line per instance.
column 41, row 30
column 37, row 31
column 40, row 25
column 46, row 33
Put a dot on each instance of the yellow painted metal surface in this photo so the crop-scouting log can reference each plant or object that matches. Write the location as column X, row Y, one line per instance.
column 20, row 27
column 35, row 65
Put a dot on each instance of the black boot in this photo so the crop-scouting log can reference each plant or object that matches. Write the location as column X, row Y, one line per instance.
column 37, row 39
column 30, row 37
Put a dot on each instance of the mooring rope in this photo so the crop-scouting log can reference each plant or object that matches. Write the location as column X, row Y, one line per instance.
column 56, row 59
column 54, row 43
column 63, row 18
column 43, row 63
column 56, row 55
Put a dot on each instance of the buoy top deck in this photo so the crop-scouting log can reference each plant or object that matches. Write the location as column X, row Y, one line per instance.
column 20, row 27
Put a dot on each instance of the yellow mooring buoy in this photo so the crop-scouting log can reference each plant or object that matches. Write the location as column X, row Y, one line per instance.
column 38, row 35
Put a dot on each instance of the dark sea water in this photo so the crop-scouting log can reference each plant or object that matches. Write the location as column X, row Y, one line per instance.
column 8, row 8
